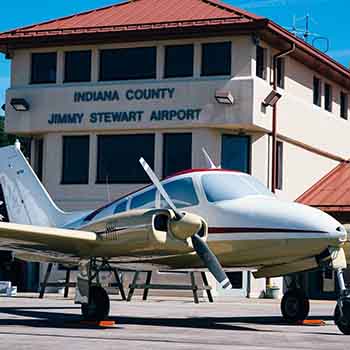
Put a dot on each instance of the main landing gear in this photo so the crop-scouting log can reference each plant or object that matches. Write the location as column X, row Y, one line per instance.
column 94, row 300
column 342, row 310
column 295, row 305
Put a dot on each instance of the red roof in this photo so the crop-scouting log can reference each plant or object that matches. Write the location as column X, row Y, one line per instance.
column 136, row 14
column 332, row 192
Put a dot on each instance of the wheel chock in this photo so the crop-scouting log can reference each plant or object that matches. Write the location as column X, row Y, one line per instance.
column 311, row 323
column 104, row 324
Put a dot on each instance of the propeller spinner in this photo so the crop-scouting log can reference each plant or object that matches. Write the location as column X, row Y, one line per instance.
column 199, row 245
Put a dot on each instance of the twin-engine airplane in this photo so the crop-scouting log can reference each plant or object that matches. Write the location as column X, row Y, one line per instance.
column 201, row 218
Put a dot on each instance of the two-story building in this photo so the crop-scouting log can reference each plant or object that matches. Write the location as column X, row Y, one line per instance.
column 162, row 79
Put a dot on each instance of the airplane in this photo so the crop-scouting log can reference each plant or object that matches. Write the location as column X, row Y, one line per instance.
column 197, row 219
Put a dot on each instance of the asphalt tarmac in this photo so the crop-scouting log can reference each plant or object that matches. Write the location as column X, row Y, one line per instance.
column 163, row 323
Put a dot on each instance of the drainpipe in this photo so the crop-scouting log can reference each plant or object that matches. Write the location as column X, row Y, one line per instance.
column 274, row 128
column 274, row 116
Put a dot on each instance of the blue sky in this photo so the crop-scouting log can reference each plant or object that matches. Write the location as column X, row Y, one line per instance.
column 330, row 19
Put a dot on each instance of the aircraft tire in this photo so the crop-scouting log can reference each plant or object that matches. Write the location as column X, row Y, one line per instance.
column 295, row 306
column 343, row 323
column 99, row 306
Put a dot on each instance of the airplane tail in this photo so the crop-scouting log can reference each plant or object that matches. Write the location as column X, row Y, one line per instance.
column 25, row 198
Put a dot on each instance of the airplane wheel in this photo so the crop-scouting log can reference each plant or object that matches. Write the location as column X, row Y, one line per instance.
column 343, row 323
column 98, row 308
column 295, row 306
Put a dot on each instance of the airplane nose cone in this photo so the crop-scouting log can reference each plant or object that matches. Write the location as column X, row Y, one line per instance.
column 276, row 214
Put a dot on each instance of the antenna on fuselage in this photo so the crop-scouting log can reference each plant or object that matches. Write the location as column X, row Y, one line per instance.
column 210, row 163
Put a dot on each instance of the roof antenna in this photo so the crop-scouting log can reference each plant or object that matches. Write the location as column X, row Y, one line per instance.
column 210, row 163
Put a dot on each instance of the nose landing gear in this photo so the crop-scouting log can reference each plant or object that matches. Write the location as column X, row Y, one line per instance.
column 342, row 310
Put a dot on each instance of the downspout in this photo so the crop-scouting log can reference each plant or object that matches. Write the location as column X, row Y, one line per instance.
column 274, row 129
column 274, row 116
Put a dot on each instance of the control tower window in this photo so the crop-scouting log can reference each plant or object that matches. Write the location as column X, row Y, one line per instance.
column 44, row 67
column 178, row 61
column 75, row 160
column 128, row 64
column 118, row 158
column 77, row 66
column 216, row 59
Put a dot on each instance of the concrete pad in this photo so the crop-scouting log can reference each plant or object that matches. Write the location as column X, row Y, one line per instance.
column 54, row 322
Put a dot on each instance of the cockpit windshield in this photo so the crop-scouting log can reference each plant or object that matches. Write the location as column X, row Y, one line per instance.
column 226, row 186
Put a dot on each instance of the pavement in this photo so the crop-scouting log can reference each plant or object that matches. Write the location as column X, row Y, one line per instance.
column 27, row 322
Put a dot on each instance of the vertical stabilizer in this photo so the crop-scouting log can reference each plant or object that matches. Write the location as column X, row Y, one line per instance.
column 26, row 200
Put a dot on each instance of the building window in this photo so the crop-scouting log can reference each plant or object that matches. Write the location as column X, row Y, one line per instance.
column 344, row 105
column 260, row 62
column 317, row 92
column 44, row 66
column 177, row 153
column 279, row 165
column 77, row 66
column 118, row 158
column 235, row 153
column 328, row 97
column 178, row 61
column 280, row 71
column 128, row 64
column 75, row 160
column 216, row 59
column 38, row 157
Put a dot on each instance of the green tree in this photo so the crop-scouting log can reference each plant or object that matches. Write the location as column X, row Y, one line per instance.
column 5, row 139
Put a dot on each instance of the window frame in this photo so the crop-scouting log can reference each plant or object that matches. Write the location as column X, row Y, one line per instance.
column 38, row 82
column 208, row 44
column 279, row 165
column 65, row 81
column 317, row 91
column 63, row 181
column 344, row 105
column 328, row 97
column 165, row 135
column 281, row 72
column 98, row 181
column 165, row 73
column 263, row 66
column 100, row 71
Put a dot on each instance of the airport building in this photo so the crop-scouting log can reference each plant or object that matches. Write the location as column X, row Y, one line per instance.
column 162, row 79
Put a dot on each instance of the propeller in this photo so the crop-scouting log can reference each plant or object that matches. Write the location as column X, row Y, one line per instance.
column 199, row 245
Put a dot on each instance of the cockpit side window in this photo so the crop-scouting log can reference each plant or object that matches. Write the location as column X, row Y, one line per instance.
column 120, row 207
column 181, row 192
column 144, row 200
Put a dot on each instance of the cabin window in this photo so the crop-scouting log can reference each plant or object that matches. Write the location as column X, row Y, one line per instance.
column 344, row 105
column 235, row 153
column 216, row 59
column 177, row 153
column 44, row 67
column 118, row 158
column 77, row 66
column 317, row 91
column 75, row 160
column 328, row 97
column 280, row 71
column 279, row 166
column 178, row 61
column 144, row 200
column 128, row 64
column 260, row 62
column 181, row 192
column 120, row 207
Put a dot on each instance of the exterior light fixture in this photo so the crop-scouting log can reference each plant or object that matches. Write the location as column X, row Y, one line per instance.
column 3, row 107
column 19, row 104
column 224, row 97
column 272, row 98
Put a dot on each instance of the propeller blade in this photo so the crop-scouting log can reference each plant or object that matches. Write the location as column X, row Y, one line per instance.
column 159, row 187
column 211, row 164
column 210, row 261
